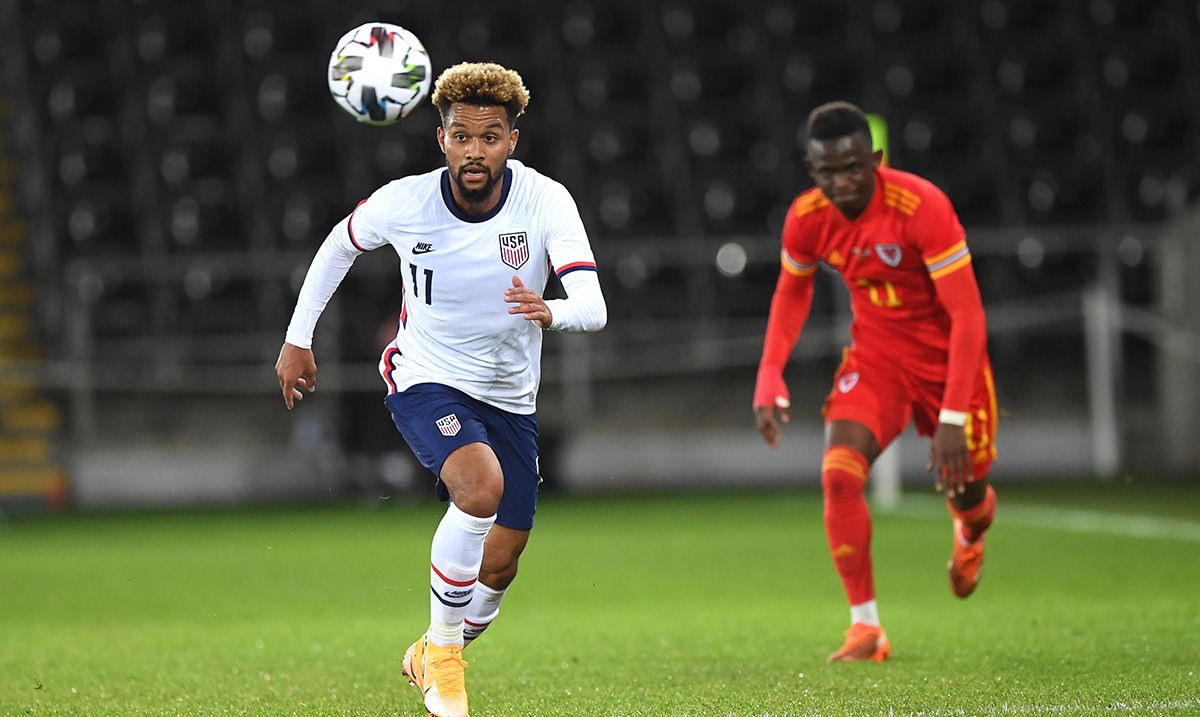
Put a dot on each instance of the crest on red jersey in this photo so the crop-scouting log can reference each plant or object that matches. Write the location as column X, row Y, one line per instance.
column 889, row 253
column 514, row 249
column 847, row 382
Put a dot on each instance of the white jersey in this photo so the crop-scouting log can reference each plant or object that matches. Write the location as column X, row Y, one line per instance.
column 454, row 327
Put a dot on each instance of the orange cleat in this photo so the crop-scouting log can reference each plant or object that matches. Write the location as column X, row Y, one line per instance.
column 966, row 563
column 439, row 673
column 863, row 642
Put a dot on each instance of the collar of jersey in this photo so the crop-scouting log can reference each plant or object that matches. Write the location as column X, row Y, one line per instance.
column 448, row 198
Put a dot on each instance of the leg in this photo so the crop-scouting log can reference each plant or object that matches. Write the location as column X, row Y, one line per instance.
column 434, row 662
column 472, row 476
column 973, row 510
column 851, row 449
column 500, row 555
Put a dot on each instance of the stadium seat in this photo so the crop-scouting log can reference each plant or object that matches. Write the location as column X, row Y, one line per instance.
column 622, row 204
column 298, row 151
column 284, row 92
column 193, row 150
column 601, row 27
column 89, row 152
column 185, row 89
column 65, row 35
column 99, row 222
column 76, row 91
column 304, row 213
column 181, row 34
column 271, row 32
column 1070, row 192
column 686, row 24
column 616, row 83
column 203, row 216
column 818, row 73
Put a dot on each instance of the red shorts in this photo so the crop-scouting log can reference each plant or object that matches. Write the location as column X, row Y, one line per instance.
column 882, row 396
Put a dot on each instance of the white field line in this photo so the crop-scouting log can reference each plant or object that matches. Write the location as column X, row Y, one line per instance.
column 1068, row 519
column 1140, row 707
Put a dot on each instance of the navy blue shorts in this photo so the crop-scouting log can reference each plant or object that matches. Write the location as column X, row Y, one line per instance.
column 436, row 420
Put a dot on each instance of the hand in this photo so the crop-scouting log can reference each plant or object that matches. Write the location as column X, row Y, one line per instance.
column 948, row 459
column 771, row 395
column 528, row 303
column 295, row 367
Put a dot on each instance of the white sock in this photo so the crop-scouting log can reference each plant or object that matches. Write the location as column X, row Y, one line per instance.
column 455, row 557
column 484, row 608
column 866, row 613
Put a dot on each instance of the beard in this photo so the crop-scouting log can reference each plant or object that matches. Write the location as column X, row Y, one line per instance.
column 476, row 196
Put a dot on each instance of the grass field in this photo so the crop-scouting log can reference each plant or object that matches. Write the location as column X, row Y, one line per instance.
column 718, row 604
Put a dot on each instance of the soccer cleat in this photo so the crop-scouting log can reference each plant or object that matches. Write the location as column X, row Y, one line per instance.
column 439, row 672
column 966, row 563
column 863, row 642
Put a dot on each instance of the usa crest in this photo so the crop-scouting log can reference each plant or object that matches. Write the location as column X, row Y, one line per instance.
column 889, row 253
column 514, row 249
column 449, row 425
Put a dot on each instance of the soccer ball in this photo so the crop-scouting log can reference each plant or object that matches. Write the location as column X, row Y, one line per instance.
column 379, row 72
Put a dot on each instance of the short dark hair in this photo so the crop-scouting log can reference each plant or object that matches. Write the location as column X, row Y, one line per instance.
column 833, row 120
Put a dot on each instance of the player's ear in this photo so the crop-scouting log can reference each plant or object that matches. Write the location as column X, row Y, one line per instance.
column 512, row 140
column 441, row 137
column 878, row 155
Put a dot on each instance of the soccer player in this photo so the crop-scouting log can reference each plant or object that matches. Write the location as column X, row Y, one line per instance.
column 476, row 239
column 918, row 352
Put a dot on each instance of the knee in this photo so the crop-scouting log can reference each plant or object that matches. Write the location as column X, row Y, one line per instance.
column 480, row 496
column 843, row 474
column 474, row 479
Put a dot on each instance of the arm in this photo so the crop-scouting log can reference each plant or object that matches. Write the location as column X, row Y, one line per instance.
column 583, row 309
column 296, row 366
column 789, row 310
column 359, row 232
column 948, row 456
column 570, row 253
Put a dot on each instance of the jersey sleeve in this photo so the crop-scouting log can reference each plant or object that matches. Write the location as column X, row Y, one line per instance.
column 571, row 258
column 943, row 246
column 566, row 239
column 363, row 229
column 798, row 256
column 939, row 236
column 367, row 227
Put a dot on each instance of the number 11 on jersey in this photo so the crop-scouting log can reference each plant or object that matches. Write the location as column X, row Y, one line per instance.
column 428, row 283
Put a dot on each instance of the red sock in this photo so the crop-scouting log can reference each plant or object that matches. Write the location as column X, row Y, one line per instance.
column 848, row 521
column 977, row 519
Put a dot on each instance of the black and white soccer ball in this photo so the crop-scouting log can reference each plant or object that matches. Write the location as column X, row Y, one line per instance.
column 379, row 72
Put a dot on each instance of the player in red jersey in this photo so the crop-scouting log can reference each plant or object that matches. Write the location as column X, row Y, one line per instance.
column 918, row 352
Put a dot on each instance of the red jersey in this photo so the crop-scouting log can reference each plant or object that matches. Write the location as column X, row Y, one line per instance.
column 908, row 237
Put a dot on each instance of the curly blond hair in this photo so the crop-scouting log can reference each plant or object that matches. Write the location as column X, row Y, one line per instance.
column 481, row 83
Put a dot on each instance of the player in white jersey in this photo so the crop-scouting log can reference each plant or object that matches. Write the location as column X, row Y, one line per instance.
column 475, row 240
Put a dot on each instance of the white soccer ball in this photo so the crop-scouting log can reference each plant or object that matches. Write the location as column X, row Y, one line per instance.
column 379, row 72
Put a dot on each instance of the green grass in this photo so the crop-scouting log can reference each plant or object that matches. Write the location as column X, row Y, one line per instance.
column 722, row 604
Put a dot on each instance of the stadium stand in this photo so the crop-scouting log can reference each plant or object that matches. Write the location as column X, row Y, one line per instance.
column 194, row 153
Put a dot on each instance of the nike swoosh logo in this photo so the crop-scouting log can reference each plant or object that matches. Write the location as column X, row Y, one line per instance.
column 421, row 250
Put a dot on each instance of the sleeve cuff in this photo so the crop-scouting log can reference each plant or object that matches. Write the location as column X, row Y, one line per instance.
column 953, row 418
